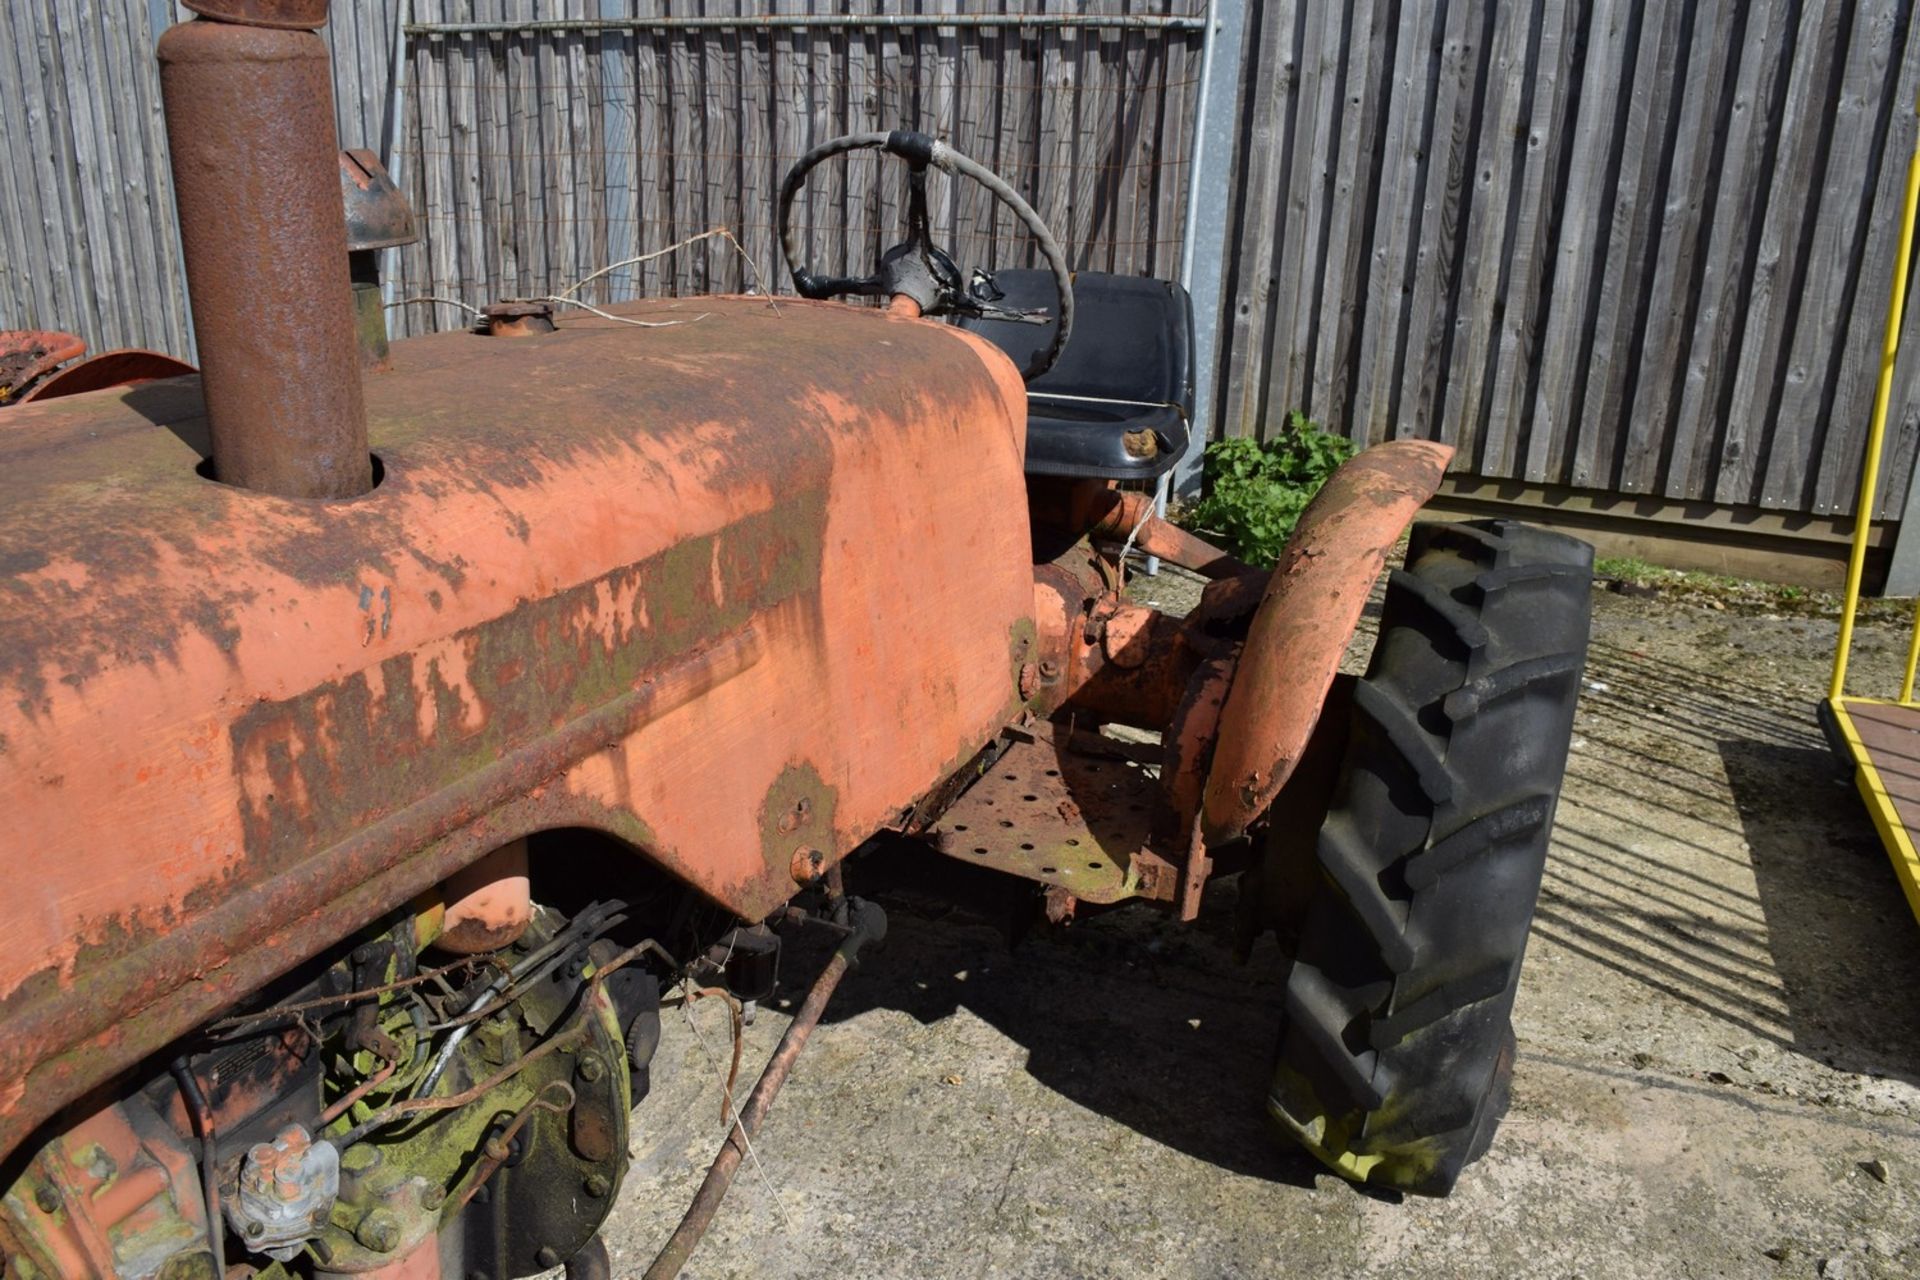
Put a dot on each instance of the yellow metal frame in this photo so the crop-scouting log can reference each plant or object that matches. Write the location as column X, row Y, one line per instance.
column 1880, row 803
column 1893, row 832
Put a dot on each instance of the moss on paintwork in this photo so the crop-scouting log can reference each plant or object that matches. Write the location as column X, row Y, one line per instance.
column 316, row 768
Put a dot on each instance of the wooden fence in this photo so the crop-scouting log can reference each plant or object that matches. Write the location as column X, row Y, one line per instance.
column 87, row 238
column 1613, row 244
column 542, row 156
column 1619, row 245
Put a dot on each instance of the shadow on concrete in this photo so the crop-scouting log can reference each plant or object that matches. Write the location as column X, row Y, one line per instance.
column 1134, row 1017
column 1709, row 848
column 1844, row 945
column 1705, row 852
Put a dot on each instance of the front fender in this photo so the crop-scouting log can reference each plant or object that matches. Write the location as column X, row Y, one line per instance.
column 1306, row 617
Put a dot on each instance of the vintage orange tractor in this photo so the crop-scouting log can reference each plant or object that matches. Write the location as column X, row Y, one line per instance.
column 385, row 730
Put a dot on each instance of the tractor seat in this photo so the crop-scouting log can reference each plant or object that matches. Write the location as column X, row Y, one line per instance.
column 1115, row 406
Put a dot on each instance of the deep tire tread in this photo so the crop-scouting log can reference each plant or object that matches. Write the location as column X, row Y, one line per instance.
column 1451, row 999
column 1461, row 619
column 1345, row 862
column 1392, row 1063
column 1508, row 681
column 1478, row 540
column 1313, row 1005
column 1520, row 820
column 1401, row 727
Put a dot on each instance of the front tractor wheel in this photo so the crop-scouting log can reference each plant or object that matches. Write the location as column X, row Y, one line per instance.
column 1397, row 1049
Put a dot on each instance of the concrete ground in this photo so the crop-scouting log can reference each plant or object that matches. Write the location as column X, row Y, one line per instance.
column 1719, row 1026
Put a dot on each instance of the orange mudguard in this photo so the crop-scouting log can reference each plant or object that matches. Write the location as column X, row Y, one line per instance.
column 1307, row 616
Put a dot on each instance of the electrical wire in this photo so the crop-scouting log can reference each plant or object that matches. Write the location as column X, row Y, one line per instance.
column 202, row 1114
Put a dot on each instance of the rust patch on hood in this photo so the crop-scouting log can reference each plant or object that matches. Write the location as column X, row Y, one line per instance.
column 615, row 578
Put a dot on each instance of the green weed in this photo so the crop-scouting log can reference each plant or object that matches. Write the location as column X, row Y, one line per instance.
column 1255, row 490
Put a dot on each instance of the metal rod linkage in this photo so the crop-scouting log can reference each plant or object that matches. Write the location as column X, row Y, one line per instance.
column 869, row 926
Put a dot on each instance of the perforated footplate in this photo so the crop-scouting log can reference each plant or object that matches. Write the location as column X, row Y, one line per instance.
column 1063, row 818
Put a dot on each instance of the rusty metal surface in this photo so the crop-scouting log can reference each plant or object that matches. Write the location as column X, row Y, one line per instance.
column 1313, row 601
column 1119, row 663
column 378, row 215
column 489, row 903
column 612, row 607
column 28, row 354
column 301, row 15
column 1114, row 662
column 517, row 319
column 1064, row 817
column 1190, row 739
column 1119, row 513
column 250, row 129
column 117, row 1194
column 420, row 1262
column 125, row 368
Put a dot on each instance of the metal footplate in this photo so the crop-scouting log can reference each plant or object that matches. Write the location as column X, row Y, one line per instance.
column 1075, row 820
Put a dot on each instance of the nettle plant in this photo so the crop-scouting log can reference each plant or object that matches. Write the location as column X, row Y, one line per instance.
column 1255, row 490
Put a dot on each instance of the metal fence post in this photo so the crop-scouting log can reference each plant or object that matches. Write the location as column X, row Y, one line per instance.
column 1203, row 255
column 396, row 126
column 1209, row 193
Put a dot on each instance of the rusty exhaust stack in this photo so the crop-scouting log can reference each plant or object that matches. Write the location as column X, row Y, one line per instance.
column 248, row 92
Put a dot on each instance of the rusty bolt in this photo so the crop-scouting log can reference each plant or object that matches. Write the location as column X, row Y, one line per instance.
column 379, row 1231
column 598, row 1186
column 321, row 1249
column 433, row 1197
column 1049, row 669
column 807, row 865
column 591, row 1069
column 548, row 1256
column 47, row 1198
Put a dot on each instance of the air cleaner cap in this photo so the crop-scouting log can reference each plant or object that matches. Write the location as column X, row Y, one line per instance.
column 288, row 15
column 378, row 215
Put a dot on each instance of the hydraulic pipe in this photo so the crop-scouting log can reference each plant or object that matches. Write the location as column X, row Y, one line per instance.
column 249, row 104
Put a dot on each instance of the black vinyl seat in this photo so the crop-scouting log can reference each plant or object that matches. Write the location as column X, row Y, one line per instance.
column 1132, row 343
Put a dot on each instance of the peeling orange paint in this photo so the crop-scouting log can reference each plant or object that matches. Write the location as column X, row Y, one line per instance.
column 290, row 716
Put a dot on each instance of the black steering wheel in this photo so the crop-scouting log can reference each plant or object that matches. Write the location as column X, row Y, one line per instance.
column 917, row 269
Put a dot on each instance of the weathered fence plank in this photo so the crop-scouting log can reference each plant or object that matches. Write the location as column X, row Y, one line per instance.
column 1604, row 244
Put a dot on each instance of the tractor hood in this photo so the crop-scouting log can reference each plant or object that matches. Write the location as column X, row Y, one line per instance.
column 733, row 590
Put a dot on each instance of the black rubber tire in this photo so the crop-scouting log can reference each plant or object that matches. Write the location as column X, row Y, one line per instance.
column 1397, row 1049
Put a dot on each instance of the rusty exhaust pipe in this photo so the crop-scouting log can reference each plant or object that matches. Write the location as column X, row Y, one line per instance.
column 248, row 92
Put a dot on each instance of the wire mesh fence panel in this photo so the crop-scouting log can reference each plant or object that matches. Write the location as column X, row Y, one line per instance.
column 537, row 154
